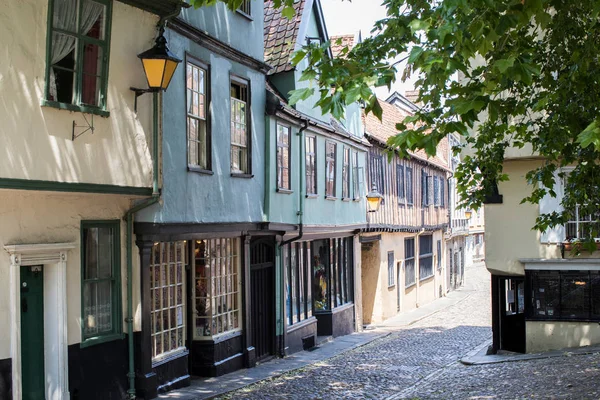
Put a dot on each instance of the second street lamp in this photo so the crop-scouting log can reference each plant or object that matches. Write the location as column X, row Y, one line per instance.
column 374, row 199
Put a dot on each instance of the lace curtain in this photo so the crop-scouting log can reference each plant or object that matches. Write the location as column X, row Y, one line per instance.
column 65, row 18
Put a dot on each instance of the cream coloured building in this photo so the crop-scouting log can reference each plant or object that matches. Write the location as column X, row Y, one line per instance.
column 76, row 157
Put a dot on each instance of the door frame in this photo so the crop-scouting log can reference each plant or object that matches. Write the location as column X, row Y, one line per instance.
column 53, row 258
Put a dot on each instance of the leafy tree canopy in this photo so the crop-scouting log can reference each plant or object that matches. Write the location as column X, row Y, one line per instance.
column 500, row 73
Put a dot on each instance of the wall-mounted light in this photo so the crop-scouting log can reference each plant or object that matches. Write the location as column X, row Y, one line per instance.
column 159, row 66
column 468, row 214
column 374, row 199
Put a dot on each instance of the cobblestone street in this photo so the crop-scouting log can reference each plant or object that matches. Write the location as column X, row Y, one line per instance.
column 421, row 362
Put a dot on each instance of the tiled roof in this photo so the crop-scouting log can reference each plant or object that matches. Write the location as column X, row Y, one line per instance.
column 382, row 130
column 280, row 36
column 344, row 40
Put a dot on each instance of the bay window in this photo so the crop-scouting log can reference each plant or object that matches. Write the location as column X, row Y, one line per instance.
column 167, row 294
column 217, row 284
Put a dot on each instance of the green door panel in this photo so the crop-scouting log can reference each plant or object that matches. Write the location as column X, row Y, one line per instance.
column 32, row 333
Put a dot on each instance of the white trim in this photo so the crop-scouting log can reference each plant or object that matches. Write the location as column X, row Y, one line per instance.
column 54, row 258
column 561, row 264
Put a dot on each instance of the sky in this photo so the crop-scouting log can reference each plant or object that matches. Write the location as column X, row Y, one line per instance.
column 345, row 17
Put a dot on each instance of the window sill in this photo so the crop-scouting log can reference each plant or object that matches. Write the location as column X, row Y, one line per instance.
column 312, row 196
column 241, row 175
column 426, row 278
column 76, row 108
column 243, row 14
column 284, row 191
column 170, row 356
column 101, row 339
column 356, row 199
column 346, row 199
column 556, row 319
column 390, row 287
column 410, row 286
column 194, row 168
column 332, row 198
column 221, row 337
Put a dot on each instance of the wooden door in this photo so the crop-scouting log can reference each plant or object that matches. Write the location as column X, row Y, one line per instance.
column 262, row 297
column 32, row 333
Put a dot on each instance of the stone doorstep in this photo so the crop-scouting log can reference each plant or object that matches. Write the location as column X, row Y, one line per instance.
column 209, row 388
column 478, row 356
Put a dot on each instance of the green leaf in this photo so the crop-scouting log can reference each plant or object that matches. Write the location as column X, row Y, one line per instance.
column 300, row 94
column 414, row 54
column 418, row 25
column 504, row 64
column 298, row 56
column 590, row 135
column 288, row 12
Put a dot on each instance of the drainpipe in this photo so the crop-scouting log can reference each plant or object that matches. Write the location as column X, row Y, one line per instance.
column 301, row 195
column 129, row 235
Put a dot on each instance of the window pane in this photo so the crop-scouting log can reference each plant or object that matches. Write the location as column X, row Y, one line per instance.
column 575, row 292
column 65, row 15
column 320, row 274
column 92, row 19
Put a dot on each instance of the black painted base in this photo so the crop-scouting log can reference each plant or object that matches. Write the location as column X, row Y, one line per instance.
column 98, row 371
column 209, row 358
column 6, row 379
column 298, row 335
column 338, row 322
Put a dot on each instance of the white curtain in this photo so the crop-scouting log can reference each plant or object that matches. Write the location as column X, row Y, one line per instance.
column 65, row 18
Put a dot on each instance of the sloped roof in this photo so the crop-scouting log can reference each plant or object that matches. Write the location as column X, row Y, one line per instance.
column 280, row 36
column 345, row 41
column 382, row 130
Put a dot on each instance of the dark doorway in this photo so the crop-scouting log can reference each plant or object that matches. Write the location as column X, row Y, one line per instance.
column 262, row 297
column 511, row 307
column 32, row 332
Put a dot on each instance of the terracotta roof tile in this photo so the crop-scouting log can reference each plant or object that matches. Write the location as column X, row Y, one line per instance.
column 344, row 41
column 280, row 36
column 382, row 130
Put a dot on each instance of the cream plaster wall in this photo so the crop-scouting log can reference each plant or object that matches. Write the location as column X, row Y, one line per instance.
column 508, row 233
column 380, row 301
column 37, row 140
column 549, row 335
column 42, row 217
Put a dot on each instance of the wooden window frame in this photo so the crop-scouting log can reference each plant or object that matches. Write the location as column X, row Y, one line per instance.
column 168, row 282
column 308, row 155
column 195, row 62
column 116, row 307
column 346, row 173
column 245, row 9
column 82, row 39
column 242, row 82
column 400, row 184
column 280, row 145
column 424, row 256
column 357, row 175
column 439, row 255
column 410, row 186
column 408, row 259
column 332, row 160
column 391, row 269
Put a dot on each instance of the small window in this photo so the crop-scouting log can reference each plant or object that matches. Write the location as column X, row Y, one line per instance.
column 442, row 192
column 240, row 128
column 311, row 165
column 425, row 188
column 100, row 277
column 391, row 271
column 330, row 156
column 409, row 262
column 199, row 150
column 409, row 186
column 425, row 256
column 377, row 173
column 357, row 177
column 245, row 7
column 283, row 156
column 167, row 298
column 439, row 255
column 77, row 59
column 400, row 183
column 346, row 174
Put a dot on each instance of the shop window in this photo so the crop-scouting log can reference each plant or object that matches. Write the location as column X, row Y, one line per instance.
column 425, row 256
column 311, row 166
column 100, row 272
column 284, row 134
column 409, row 262
column 217, row 285
column 297, row 258
column 199, row 150
column 332, row 268
column 330, row 175
column 77, row 58
column 564, row 295
column 167, row 294
column 240, row 127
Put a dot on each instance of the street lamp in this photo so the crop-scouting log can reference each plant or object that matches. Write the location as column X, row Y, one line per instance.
column 374, row 199
column 468, row 214
column 159, row 66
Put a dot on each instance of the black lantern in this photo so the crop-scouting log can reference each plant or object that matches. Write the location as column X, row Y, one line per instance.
column 374, row 199
column 159, row 66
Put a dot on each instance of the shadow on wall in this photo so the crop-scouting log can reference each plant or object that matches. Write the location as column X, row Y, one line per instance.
column 370, row 260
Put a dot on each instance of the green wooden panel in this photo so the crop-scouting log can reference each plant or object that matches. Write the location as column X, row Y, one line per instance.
column 32, row 333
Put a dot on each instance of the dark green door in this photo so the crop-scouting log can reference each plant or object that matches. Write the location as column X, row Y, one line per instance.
column 32, row 332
